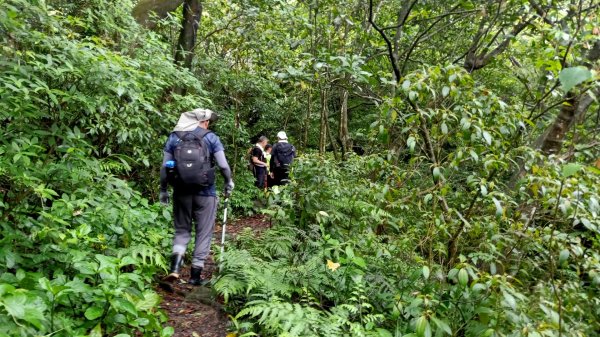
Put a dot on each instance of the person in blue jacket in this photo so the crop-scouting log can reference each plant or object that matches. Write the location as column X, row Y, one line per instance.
column 194, row 205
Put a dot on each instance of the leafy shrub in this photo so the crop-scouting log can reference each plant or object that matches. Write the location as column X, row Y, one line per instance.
column 79, row 245
column 345, row 257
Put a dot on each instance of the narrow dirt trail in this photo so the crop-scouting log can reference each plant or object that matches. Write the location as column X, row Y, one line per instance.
column 192, row 310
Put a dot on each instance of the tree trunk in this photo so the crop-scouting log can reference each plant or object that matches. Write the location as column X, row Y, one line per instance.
column 307, row 121
column 575, row 106
column 552, row 140
column 343, row 132
column 192, row 12
column 324, row 113
column 332, row 141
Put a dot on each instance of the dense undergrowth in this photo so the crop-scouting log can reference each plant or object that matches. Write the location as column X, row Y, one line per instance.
column 79, row 245
column 491, row 238
column 451, row 224
column 349, row 255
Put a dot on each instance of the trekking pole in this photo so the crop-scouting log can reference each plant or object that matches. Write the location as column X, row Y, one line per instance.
column 224, row 225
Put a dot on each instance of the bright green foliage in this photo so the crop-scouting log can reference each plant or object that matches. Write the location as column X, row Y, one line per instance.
column 444, row 243
column 451, row 224
column 570, row 77
column 389, row 280
column 82, row 87
column 64, row 71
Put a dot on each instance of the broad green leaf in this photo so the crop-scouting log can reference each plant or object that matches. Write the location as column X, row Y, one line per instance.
column 563, row 256
column 151, row 300
column 405, row 85
column 411, row 142
column 444, row 128
column 463, row 277
column 425, row 271
column 509, row 300
column 20, row 307
column 428, row 331
column 383, row 333
column 570, row 169
column 442, row 325
column 445, row 91
column 6, row 289
column 499, row 209
column 141, row 321
column 487, row 137
column 359, row 261
column 127, row 260
column 122, row 304
column 474, row 155
column 96, row 331
column 349, row 252
column 490, row 332
column 15, row 305
column 436, row 173
column 93, row 312
column 478, row 287
column 166, row 212
column 570, row 77
column 421, row 326
column 167, row 332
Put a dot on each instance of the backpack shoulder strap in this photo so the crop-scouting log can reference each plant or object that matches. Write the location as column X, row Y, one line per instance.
column 197, row 134
column 201, row 133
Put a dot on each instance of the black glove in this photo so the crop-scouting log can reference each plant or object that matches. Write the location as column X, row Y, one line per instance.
column 163, row 196
column 228, row 188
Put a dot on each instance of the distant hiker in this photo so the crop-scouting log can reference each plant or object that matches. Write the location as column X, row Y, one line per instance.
column 188, row 165
column 281, row 158
column 268, row 150
column 259, row 161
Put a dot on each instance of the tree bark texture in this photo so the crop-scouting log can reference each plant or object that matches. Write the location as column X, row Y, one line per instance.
column 553, row 138
column 307, row 120
column 323, row 129
column 574, row 107
column 192, row 12
column 478, row 57
column 343, row 131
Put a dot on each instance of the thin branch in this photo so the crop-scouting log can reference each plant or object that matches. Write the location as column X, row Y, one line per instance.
column 416, row 41
column 541, row 12
column 564, row 60
column 387, row 41
column 543, row 98
column 403, row 16
column 438, row 16
column 226, row 27
column 548, row 109
column 485, row 59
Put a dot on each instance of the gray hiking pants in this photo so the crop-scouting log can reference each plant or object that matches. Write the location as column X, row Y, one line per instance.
column 201, row 211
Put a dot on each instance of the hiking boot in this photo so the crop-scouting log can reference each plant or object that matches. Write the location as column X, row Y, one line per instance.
column 195, row 278
column 176, row 261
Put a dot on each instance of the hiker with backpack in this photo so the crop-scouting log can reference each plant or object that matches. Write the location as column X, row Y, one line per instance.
column 188, row 158
column 259, row 162
column 281, row 159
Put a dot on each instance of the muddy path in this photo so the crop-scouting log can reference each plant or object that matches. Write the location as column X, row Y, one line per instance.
column 193, row 311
